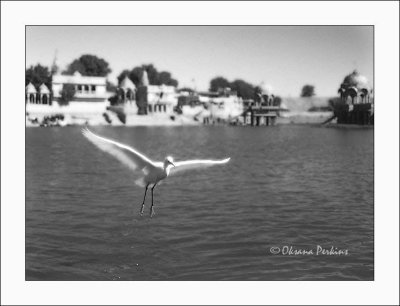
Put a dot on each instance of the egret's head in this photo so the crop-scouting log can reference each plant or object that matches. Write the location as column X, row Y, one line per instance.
column 169, row 161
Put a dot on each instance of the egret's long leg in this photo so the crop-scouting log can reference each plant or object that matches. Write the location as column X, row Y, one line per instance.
column 152, row 203
column 144, row 198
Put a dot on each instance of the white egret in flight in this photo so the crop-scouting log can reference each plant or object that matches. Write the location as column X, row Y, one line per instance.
column 153, row 172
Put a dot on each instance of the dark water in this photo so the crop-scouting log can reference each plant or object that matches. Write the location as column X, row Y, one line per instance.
column 299, row 186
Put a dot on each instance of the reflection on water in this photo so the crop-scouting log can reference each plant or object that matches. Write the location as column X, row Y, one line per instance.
column 299, row 186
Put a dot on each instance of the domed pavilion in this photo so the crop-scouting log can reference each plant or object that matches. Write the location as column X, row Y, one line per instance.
column 356, row 87
column 127, row 91
column 30, row 94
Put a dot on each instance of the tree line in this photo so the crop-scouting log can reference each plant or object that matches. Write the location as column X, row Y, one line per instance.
column 91, row 65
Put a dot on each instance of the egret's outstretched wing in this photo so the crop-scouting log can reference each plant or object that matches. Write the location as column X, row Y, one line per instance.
column 196, row 164
column 125, row 154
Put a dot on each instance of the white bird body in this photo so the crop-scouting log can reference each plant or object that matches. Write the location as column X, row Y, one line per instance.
column 153, row 172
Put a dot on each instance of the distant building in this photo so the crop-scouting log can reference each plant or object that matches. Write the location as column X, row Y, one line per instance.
column 32, row 96
column 263, row 110
column 44, row 95
column 190, row 99
column 155, row 98
column 89, row 89
column 357, row 101
column 355, row 89
column 127, row 91
column 227, row 106
column 264, row 95
column 222, row 105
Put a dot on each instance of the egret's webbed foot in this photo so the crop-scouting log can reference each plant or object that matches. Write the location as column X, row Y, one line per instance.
column 152, row 212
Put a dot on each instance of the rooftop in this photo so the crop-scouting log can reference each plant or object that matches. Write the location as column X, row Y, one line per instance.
column 126, row 83
column 30, row 88
column 43, row 89
column 78, row 78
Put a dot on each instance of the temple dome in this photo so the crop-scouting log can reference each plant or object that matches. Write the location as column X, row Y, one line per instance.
column 30, row 88
column 43, row 89
column 266, row 89
column 355, row 79
column 126, row 83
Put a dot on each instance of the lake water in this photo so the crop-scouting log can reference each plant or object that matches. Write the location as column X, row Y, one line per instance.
column 290, row 185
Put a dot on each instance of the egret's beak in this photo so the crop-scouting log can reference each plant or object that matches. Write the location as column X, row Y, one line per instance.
column 172, row 163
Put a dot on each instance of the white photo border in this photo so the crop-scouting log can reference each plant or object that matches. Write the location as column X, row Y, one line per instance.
column 385, row 18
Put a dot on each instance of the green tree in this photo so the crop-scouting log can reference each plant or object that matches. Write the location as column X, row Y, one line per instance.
column 89, row 65
column 67, row 94
column 218, row 82
column 155, row 77
column 37, row 75
column 164, row 77
column 243, row 89
column 307, row 91
column 123, row 74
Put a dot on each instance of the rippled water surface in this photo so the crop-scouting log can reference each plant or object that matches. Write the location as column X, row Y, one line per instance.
column 299, row 186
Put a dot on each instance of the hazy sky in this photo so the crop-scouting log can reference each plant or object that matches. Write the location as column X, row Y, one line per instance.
column 286, row 57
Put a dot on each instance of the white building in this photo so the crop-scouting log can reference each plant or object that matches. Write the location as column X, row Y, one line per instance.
column 90, row 91
column 227, row 107
column 224, row 104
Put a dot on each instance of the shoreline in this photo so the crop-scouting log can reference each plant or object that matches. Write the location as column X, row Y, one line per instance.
column 64, row 116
